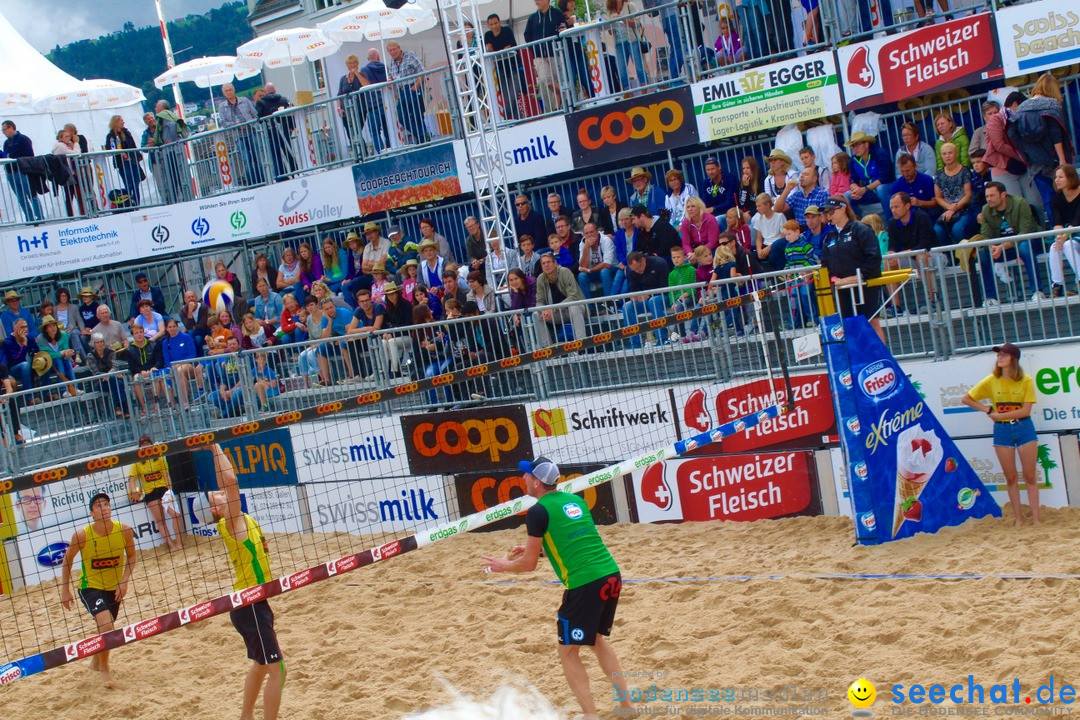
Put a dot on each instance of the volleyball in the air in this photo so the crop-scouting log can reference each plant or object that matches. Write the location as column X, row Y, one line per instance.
column 218, row 295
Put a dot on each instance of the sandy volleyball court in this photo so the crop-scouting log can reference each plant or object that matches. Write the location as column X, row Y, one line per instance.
column 379, row 642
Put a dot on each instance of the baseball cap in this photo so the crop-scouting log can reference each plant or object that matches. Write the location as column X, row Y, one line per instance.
column 545, row 471
column 812, row 210
column 711, row 161
column 833, row 203
column 97, row 497
column 1008, row 349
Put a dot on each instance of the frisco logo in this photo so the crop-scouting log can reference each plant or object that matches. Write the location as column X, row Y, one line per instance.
column 853, row 425
column 868, row 520
column 878, row 379
column 845, row 378
column 9, row 673
column 861, row 471
column 763, row 416
column 740, row 426
column 837, row 332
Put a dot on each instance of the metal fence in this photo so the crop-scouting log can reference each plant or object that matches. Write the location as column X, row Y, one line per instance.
column 961, row 298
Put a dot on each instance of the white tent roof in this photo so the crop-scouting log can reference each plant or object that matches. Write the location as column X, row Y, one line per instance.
column 24, row 69
column 27, row 70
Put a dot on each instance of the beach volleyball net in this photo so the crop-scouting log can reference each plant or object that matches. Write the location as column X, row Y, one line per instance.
column 342, row 485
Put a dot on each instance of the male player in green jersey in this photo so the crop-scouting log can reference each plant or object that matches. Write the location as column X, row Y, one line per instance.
column 107, row 548
column 250, row 558
column 562, row 524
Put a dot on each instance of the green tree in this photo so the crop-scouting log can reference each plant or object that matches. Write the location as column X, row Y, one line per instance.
column 1046, row 462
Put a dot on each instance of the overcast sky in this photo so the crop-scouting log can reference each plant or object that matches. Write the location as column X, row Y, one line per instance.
column 48, row 23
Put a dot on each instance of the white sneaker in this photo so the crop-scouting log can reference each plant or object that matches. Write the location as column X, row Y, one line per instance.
column 1038, row 296
column 990, row 302
column 1002, row 274
column 673, row 337
column 650, row 343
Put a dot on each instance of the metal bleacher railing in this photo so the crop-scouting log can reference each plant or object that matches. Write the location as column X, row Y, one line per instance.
column 946, row 313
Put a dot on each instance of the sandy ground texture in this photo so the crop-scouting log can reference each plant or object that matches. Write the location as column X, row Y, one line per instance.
column 386, row 640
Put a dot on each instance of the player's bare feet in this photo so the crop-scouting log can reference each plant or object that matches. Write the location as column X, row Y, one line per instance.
column 95, row 661
column 106, row 679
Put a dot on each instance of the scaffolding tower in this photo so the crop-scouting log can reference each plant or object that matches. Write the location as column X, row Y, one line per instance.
column 476, row 112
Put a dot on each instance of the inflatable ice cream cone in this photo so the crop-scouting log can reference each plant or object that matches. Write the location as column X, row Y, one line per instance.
column 918, row 453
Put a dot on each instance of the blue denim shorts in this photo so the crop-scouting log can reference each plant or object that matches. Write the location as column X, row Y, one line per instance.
column 1014, row 434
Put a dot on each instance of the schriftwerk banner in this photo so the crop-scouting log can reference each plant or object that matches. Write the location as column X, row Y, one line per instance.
column 905, row 473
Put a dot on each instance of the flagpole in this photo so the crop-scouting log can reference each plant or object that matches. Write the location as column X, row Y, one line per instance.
column 170, row 60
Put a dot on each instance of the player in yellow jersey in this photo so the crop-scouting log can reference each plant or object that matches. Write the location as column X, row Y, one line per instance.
column 250, row 559
column 149, row 481
column 107, row 548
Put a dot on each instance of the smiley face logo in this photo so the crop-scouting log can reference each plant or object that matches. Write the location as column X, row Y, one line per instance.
column 862, row 693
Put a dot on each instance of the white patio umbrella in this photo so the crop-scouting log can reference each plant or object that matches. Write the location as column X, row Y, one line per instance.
column 372, row 20
column 14, row 98
column 289, row 47
column 90, row 95
column 206, row 72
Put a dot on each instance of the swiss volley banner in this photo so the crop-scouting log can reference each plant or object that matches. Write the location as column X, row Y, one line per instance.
column 417, row 177
column 905, row 473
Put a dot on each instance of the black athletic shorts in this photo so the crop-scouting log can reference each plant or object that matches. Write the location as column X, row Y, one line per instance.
column 255, row 623
column 96, row 601
column 588, row 610
column 155, row 494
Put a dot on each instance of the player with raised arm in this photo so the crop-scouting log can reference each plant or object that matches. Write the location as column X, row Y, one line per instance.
column 562, row 524
column 107, row 549
column 250, row 558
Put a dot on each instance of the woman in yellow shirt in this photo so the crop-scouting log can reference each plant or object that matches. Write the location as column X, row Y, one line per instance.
column 1012, row 394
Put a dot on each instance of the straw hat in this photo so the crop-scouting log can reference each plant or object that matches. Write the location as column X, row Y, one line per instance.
column 412, row 261
column 778, row 154
column 859, row 136
column 12, row 295
column 428, row 244
column 353, row 236
column 369, row 226
column 87, row 291
column 378, row 267
column 42, row 363
column 639, row 172
column 47, row 320
column 390, row 287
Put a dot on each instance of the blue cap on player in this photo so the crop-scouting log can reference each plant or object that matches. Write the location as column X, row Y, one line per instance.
column 545, row 471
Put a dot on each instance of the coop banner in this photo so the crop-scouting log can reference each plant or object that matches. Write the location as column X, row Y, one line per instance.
column 939, row 57
column 906, row 473
column 420, row 176
column 768, row 97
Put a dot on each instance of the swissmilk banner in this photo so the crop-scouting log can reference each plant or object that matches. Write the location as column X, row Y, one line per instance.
column 905, row 473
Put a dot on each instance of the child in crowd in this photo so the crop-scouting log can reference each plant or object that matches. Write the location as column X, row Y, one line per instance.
column 841, row 174
column 409, row 278
column 980, row 175
column 878, row 226
column 561, row 252
column 266, row 381
column 800, row 253
column 377, row 293
column 726, row 265
column 682, row 273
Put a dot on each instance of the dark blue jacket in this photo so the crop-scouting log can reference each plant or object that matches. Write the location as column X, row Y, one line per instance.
column 177, row 349
column 157, row 298
column 15, row 353
column 18, row 145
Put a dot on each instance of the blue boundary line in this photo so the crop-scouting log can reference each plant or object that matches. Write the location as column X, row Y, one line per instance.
column 820, row 576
